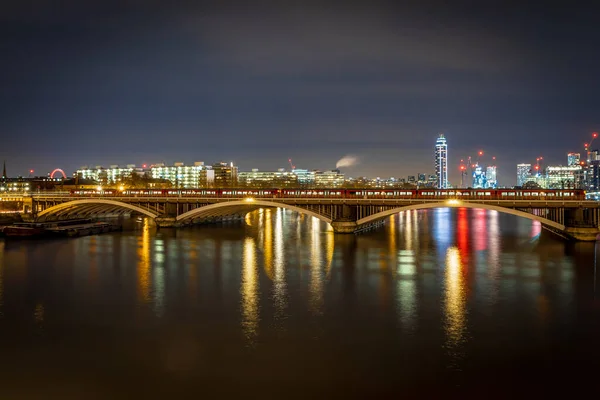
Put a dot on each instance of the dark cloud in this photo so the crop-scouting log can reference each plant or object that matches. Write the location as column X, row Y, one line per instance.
column 259, row 82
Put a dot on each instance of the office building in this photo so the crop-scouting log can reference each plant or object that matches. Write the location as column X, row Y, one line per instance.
column 479, row 178
column 225, row 174
column 523, row 173
column 184, row 176
column 491, row 177
column 573, row 159
column 559, row 177
column 441, row 162
column 279, row 178
column 329, row 179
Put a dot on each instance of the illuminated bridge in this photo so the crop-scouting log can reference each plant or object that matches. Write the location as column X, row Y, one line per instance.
column 575, row 218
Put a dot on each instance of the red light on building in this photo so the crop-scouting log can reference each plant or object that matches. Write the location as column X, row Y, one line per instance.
column 595, row 135
column 144, row 166
column 480, row 153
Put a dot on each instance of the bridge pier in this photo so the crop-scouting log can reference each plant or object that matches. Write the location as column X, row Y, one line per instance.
column 344, row 226
column 582, row 234
column 166, row 222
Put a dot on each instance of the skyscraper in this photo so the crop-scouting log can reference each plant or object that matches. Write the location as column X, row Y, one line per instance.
column 441, row 162
column 573, row 159
column 490, row 176
column 523, row 173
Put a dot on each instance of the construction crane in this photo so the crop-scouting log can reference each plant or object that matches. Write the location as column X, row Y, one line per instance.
column 292, row 166
column 588, row 146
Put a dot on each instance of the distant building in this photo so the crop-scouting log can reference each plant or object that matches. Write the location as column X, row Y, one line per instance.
column 225, row 174
column 523, row 173
column 479, row 178
column 106, row 176
column 441, row 162
column 422, row 179
column 412, row 180
column 573, row 159
column 256, row 178
column 329, row 179
column 559, row 177
column 181, row 175
column 304, row 177
column 490, row 176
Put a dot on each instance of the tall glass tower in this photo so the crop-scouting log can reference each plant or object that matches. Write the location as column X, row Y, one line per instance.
column 441, row 162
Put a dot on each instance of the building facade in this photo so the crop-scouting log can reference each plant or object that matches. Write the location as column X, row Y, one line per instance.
column 523, row 173
column 491, row 173
column 225, row 174
column 573, row 159
column 256, row 178
column 329, row 179
column 441, row 162
column 183, row 176
column 559, row 177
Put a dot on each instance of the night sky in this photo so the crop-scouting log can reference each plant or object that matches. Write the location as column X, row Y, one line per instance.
column 102, row 82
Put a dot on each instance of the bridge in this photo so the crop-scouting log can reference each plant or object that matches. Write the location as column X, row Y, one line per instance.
column 576, row 219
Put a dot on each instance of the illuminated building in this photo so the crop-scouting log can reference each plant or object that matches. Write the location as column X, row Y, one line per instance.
column 441, row 162
column 421, row 179
column 183, row 176
column 479, row 178
column 491, row 177
column 304, row 176
column 593, row 176
column 523, row 173
column 431, row 180
column 279, row 178
column 15, row 185
column 106, row 176
column 413, row 181
column 559, row 177
column 225, row 174
column 573, row 159
column 330, row 179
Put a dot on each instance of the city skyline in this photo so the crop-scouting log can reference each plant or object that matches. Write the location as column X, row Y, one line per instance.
column 103, row 83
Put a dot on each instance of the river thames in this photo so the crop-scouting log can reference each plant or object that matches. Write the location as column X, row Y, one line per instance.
column 448, row 302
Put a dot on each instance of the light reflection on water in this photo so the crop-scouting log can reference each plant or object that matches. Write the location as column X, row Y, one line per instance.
column 435, row 289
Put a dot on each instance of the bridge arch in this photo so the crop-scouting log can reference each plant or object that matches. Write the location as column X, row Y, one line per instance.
column 238, row 206
column 384, row 214
column 87, row 203
column 60, row 171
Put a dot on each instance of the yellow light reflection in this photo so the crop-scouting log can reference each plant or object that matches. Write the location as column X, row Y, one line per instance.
column 143, row 267
column 1, row 276
column 38, row 313
column 408, row 230
column 392, row 239
column 455, row 301
column 329, row 245
column 279, row 283
column 316, row 278
column 250, row 292
column 267, row 242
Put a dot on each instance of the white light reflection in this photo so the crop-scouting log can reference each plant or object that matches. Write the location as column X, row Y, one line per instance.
column 455, row 305
column 158, row 278
column 443, row 232
column 250, row 292
column 406, row 288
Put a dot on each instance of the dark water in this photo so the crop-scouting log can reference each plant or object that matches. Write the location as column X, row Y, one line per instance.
column 439, row 302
